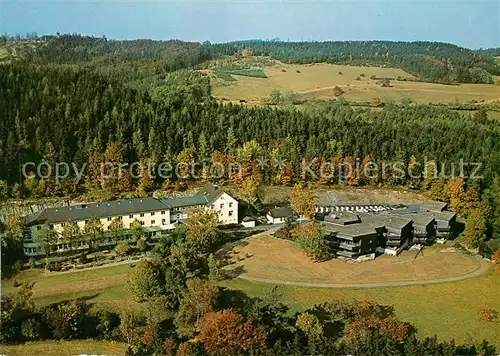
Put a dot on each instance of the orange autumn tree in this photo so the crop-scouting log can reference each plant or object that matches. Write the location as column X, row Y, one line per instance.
column 228, row 333
column 367, row 317
column 495, row 257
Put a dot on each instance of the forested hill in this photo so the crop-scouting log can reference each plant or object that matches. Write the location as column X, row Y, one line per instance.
column 65, row 114
column 430, row 61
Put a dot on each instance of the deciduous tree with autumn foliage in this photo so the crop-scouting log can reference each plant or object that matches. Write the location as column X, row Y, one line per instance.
column 302, row 201
column 228, row 333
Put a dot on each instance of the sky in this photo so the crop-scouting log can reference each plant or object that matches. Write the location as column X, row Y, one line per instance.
column 472, row 23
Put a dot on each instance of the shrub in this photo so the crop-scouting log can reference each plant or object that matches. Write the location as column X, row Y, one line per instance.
column 495, row 257
column 358, row 78
column 283, row 233
column 298, row 71
column 83, row 258
column 340, row 73
column 142, row 245
column 362, row 75
column 385, row 83
column 373, row 77
column 376, row 103
column 16, row 283
column 338, row 91
column 30, row 329
column 488, row 313
column 283, row 70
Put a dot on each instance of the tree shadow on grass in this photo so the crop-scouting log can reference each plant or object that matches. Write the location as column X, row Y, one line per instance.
column 235, row 271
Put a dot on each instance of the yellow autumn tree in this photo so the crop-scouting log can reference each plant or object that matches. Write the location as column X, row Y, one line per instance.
column 302, row 201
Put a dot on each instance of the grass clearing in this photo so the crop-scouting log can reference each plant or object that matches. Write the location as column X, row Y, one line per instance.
column 316, row 81
column 58, row 348
column 282, row 261
column 449, row 310
column 324, row 195
column 104, row 287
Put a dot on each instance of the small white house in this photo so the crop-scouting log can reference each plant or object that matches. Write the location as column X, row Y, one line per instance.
column 248, row 221
column 279, row 215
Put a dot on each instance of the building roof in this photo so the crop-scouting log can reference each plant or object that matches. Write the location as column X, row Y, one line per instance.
column 210, row 192
column 206, row 195
column 181, row 202
column 351, row 231
column 248, row 219
column 343, row 218
column 390, row 222
column 444, row 216
column 420, row 219
column 95, row 210
column 281, row 212
column 433, row 205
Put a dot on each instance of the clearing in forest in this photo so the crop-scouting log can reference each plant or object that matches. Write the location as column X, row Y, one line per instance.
column 316, row 81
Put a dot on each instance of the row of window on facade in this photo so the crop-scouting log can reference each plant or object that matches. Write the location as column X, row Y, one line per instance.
column 221, row 205
column 131, row 216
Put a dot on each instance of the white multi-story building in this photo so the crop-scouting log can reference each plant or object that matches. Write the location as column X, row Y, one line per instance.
column 154, row 215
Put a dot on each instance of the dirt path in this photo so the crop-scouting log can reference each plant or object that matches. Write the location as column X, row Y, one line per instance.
column 484, row 266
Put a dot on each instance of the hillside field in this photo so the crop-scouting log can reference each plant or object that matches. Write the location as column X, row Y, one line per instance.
column 316, row 81
column 57, row 348
column 434, row 308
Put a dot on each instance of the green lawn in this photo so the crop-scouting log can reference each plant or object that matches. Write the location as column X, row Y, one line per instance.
column 59, row 348
column 450, row 310
column 103, row 286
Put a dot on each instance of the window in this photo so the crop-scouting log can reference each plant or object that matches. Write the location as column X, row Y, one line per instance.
column 222, row 205
column 131, row 216
column 131, row 225
column 142, row 215
column 109, row 219
column 152, row 222
column 120, row 217
column 212, row 206
column 142, row 222
column 38, row 227
column 62, row 224
column 230, row 205
column 51, row 226
column 163, row 221
column 163, row 212
column 230, row 213
column 152, row 213
column 86, row 222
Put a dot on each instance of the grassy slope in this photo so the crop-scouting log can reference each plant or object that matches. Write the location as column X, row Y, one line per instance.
column 279, row 260
column 57, row 348
column 450, row 310
column 105, row 287
column 316, row 81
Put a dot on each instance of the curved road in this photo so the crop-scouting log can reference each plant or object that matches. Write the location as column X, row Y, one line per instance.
column 482, row 269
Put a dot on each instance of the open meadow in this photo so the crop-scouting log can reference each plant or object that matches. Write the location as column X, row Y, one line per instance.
column 316, row 81
column 58, row 348
column 106, row 287
column 447, row 309
column 270, row 195
column 281, row 261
